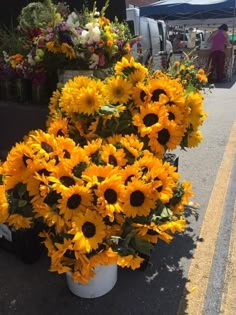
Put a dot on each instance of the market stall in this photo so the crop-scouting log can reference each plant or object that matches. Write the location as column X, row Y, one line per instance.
column 196, row 13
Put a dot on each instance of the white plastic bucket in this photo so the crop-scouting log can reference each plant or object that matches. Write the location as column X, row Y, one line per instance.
column 100, row 284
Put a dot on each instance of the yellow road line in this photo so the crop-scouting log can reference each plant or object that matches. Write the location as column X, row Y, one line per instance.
column 195, row 290
column 228, row 305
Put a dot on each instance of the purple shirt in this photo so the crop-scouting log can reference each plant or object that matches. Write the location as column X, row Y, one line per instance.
column 218, row 41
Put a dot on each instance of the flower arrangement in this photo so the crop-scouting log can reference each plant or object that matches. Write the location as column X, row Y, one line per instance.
column 88, row 40
column 97, row 176
column 191, row 76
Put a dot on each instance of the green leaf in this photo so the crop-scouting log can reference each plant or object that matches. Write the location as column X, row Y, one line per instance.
column 142, row 246
column 108, row 109
column 166, row 213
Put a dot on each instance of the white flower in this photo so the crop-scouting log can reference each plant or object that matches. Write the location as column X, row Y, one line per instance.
column 73, row 20
column 92, row 35
column 95, row 59
column 30, row 59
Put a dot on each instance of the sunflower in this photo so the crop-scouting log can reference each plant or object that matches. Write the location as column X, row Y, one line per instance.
column 4, row 206
column 19, row 221
column 106, row 257
column 111, row 155
column 165, row 137
column 176, row 115
column 132, row 145
column 109, row 196
column 149, row 232
column 82, row 95
column 141, row 94
column 77, row 162
column 194, row 102
column 173, row 226
column 89, row 231
column 89, row 101
column 53, row 47
column 167, row 91
column 58, row 127
column 50, row 215
column 194, row 138
column 68, row 51
column 65, row 147
column 125, row 65
column 129, row 173
column 135, row 71
column 162, row 183
column 54, row 103
column 39, row 170
column 92, row 149
column 42, row 143
column 95, row 174
column 139, row 199
column 74, row 200
column 17, row 160
column 151, row 115
column 129, row 261
column 118, row 90
column 182, row 193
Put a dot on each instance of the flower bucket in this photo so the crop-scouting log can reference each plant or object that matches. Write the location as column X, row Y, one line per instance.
column 25, row 244
column 103, row 281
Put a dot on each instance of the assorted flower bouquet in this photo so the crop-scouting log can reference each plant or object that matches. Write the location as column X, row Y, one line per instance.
column 97, row 177
column 54, row 38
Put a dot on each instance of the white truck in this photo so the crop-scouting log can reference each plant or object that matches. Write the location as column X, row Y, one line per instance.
column 153, row 46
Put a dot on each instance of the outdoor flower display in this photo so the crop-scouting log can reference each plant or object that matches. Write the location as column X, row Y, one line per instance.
column 52, row 38
column 97, row 177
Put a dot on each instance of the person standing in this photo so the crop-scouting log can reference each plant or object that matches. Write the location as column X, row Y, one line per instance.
column 219, row 41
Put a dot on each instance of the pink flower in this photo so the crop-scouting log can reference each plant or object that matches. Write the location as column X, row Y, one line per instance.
column 101, row 62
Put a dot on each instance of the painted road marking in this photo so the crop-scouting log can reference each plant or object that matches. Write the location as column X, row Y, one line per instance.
column 228, row 305
column 192, row 301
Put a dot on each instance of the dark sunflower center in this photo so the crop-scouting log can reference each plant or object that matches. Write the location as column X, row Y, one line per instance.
column 142, row 96
column 70, row 254
column 60, row 133
column 74, row 201
column 66, row 154
column 110, row 196
column 118, row 91
column 67, row 181
column 163, row 136
column 151, row 232
column 159, row 189
column 156, row 94
column 52, row 198
column 89, row 229
column 112, row 160
column 128, row 179
column 24, row 159
column 144, row 170
column 90, row 101
column 150, row 120
column 171, row 116
column 79, row 168
column 46, row 147
column 100, row 179
column 44, row 172
column 137, row 198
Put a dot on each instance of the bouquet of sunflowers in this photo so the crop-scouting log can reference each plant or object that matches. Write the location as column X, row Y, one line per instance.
column 97, row 176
